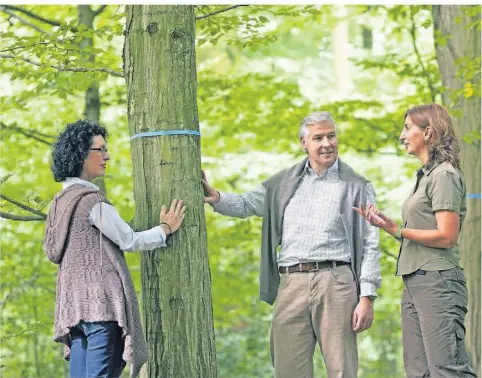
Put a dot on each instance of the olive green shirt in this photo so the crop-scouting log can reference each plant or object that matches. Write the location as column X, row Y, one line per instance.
column 440, row 187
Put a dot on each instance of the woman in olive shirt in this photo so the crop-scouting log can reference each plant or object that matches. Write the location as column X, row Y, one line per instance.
column 434, row 301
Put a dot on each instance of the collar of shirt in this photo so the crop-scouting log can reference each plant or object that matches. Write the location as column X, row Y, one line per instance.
column 429, row 167
column 330, row 173
column 76, row 180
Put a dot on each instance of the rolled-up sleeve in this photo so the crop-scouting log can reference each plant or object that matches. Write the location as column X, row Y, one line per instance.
column 446, row 191
column 370, row 275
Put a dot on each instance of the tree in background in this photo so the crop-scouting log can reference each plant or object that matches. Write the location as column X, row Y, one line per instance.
column 457, row 39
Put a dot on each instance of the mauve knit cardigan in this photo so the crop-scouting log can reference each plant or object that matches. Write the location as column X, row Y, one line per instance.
column 93, row 281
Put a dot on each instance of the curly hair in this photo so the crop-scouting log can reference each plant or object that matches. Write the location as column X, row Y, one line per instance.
column 72, row 147
column 443, row 144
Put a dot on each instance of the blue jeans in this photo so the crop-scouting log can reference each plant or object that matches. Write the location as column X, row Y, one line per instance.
column 96, row 350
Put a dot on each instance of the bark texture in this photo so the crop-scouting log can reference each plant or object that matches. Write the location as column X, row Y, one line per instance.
column 464, row 43
column 92, row 95
column 160, row 70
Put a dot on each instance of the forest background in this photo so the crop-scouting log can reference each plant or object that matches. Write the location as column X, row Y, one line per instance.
column 260, row 70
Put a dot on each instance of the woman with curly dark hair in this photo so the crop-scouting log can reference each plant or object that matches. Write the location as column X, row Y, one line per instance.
column 434, row 301
column 96, row 312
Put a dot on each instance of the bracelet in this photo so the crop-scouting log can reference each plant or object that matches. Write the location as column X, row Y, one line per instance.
column 170, row 231
column 398, row 234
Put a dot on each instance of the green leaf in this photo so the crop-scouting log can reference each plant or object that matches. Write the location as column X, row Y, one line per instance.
column 472, row 137
column 415, row 9
column 427, row 23
column 468, row 90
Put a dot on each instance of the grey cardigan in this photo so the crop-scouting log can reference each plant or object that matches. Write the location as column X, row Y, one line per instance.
column 279, row 190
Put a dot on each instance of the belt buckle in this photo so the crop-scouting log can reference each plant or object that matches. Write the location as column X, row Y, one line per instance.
column 314, row 269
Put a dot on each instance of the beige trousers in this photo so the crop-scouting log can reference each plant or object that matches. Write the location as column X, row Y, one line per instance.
column 315, row 307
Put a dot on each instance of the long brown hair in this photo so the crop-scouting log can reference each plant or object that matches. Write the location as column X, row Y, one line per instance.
column 443, row 144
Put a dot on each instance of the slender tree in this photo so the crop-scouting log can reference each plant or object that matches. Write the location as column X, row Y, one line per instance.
column 92, row 95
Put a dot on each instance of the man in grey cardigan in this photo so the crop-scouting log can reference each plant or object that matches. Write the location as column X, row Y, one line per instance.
column 326, row 274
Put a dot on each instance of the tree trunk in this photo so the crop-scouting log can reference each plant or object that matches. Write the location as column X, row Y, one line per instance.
column 160, row 71
column 341, row 62
column 466, row 114
column 92, row 95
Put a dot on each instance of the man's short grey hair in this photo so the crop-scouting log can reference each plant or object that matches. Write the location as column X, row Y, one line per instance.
column 313, row 119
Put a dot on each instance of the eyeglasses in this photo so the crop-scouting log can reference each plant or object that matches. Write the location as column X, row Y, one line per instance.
column 103, row 150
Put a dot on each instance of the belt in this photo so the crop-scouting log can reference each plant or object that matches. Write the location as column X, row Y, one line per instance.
column 311, row 266
column 418, row 272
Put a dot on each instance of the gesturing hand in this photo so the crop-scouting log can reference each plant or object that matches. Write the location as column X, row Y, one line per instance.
column 173, row 218
column 211, row 195
column 376, row 218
